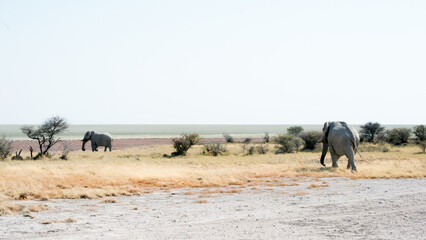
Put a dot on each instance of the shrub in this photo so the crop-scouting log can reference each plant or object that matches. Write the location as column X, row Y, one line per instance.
column 298, row 142
column 259, row 149
column 287, row 143
column 420, row 133
column 262, row 149
column 422, row 146
column 5, row 147
column 247, row 140
column 214, row 149
column 398, row 136
column 183, row 143
column 266, row 137
column 295, row 130
column 228, row 138
column 310, row 139
column 370, row 131
column 65, row 151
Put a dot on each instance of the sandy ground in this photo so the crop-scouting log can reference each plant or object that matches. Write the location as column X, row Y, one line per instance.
column 117, row 144
column 346, row 209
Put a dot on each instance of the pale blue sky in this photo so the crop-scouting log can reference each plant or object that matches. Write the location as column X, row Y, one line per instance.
column 213, row 62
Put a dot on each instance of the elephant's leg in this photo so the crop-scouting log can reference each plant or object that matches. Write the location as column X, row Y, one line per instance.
column 351, row 160
column 93, row 146
column 334, row 158
column 110, row 148
column 105, row 148
column 349, row 164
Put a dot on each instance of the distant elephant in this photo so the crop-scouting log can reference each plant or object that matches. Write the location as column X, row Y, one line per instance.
column 341, row 139
column 97, row 139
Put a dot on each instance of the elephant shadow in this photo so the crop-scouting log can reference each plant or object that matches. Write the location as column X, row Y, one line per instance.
column 316, row 169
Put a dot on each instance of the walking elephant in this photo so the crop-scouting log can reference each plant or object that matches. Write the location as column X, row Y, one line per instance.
column 97, row 139
column 341, row 139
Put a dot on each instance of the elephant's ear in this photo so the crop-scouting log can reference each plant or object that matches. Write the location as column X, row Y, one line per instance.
column 87, row 136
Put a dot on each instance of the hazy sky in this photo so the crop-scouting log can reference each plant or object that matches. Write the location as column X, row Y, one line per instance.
column 213, row 62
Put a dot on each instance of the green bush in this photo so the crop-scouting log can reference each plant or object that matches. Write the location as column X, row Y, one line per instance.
column 183, row 143
column 310, row 139
column 287, row 143
column 247, row 140
column 398, row 136
column 420, row 133
column 5, row 147
column 295, row 130
column 214, row 149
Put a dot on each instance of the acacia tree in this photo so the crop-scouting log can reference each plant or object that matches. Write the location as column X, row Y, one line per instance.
column 46, row 134
column 370, row 131
column 295, row 130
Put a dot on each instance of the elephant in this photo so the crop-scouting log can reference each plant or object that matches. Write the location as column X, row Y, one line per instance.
column 341, row 139
column 97, row 139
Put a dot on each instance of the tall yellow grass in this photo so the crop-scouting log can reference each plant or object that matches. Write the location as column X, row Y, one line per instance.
column 139, row 170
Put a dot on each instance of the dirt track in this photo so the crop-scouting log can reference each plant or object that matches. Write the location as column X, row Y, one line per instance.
column 346, row 209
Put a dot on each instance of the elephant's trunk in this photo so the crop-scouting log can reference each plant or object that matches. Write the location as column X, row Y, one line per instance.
column 84, row 143
column 324, row 152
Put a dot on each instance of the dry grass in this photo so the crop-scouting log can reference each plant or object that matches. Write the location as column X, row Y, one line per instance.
column 201, row 201
column 8, row 207
column 136, row 171
column 109, row 200
column 299, row 193
column 324, row 184
column 68, row 220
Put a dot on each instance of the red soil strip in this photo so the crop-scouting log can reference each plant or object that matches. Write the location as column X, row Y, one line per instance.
column 75, row 145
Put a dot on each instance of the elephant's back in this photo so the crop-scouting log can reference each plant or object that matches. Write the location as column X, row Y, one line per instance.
column 107, row 135
column 104, row 139
column 340, row 133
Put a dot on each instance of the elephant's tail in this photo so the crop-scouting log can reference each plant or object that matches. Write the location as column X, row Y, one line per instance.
column 356, row 149
column 354, row 141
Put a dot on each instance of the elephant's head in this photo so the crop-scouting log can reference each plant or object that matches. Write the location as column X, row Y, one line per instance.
column 86, row 138
column 324, row 141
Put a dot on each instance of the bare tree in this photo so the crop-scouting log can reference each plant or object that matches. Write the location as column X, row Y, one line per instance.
column 370, row 131
column 18, row 156
column 46, row 134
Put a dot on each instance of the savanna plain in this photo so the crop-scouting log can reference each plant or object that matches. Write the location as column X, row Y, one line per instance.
column 138, row 192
